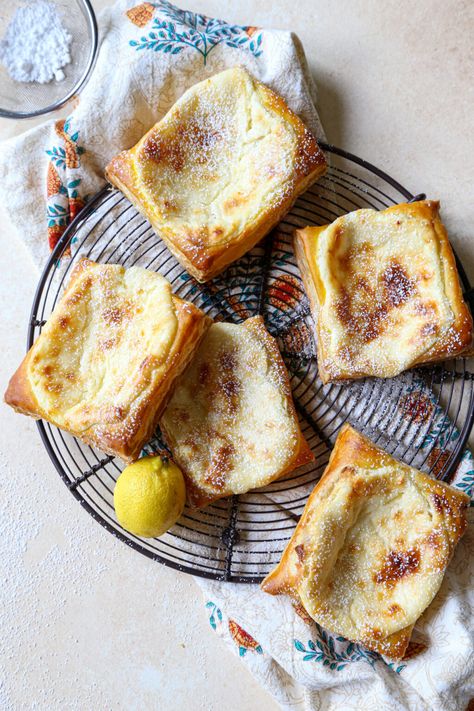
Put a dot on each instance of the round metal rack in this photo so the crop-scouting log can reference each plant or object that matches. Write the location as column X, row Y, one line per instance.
column 422, row 417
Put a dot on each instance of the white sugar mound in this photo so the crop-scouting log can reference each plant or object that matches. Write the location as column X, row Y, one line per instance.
column 36, row 44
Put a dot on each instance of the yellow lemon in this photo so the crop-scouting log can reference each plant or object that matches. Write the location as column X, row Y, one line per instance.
column 149, row 496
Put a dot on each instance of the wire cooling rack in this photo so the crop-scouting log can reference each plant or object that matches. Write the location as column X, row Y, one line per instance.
column 422, row 417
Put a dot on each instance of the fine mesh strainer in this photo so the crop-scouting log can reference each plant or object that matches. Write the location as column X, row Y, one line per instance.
column 25, row 100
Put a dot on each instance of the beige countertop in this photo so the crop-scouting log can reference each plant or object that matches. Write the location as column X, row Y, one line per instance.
column 88, row 623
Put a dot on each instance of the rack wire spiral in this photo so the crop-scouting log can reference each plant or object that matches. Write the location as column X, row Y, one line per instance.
column 422, row 417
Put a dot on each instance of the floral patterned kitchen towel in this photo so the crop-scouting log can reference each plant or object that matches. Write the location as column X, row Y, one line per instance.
column 150, row 53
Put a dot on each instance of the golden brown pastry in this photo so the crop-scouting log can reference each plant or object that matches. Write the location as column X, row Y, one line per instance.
column 371, row 548
column 106, row 361
column 231, row 423
column 219, row 170
column 384, row 292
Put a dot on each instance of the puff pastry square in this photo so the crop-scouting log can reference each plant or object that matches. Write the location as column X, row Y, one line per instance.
column 106, row 361
column 384, row 292
column 219, row 170
column 231, row 422
column 371, row 548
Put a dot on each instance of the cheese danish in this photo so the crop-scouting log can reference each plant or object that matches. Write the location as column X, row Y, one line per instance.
column 231, row 424
column 371, row 548
column 219, row 170
column 106, row 361
column 384, row 292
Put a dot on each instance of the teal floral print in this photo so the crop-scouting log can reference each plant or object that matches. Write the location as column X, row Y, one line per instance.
column 215, row 614
column 58, row 156
column 183, row 29
column 61, row 156
column 64, row 200
column 243, row 640
column 324, row 651
column 466, row 483
column 57, row 215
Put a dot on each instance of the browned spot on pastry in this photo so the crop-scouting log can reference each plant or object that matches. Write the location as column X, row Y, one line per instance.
column 363, row 487
column 363, row 322
column 194, row 137
column 427, row 309
column 308, row 155
column 299, row 550
column 228, row 384
column 227, row 360
column 394, row 609
column 219, row 466
column 398, row 286
column 54, row 387
column 343, row 308
column 235, row 201
column 159, row 150
column 364, row 304
column 191, row 443
column 63, row 322
column 115, row 314
column 204, row 373
column 182, row 415
column 71, row 377
column 442, row 504
column 397, row 565
column 107, row 344
column 414, row 649
column 202, row 137
column 231, row 387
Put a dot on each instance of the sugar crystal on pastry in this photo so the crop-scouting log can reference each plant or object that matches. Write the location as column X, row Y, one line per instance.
column 371, row 548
